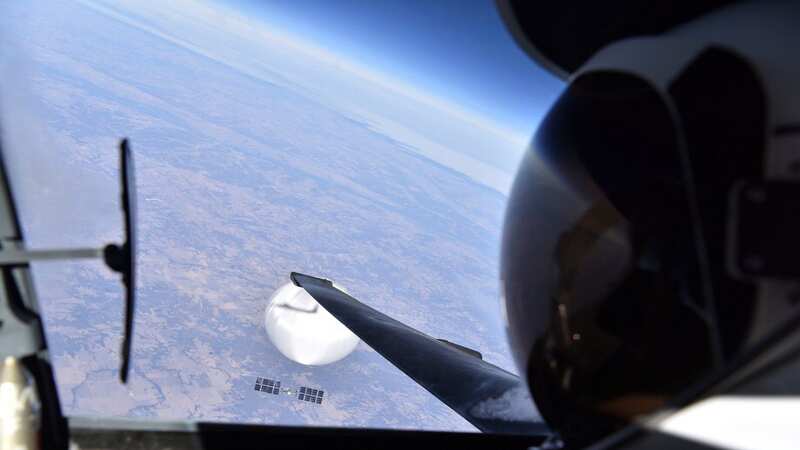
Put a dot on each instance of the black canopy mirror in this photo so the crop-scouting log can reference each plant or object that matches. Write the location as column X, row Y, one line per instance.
column 122, row 258
column 119, row 258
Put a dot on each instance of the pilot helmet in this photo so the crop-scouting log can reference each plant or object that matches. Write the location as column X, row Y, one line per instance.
column 645, row 239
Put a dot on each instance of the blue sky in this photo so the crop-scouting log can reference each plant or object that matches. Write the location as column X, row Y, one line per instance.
column 452, row 49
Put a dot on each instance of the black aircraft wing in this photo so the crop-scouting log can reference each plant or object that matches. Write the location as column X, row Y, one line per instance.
column 485, row 395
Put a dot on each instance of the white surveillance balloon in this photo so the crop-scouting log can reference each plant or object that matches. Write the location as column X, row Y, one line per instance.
column 303, row 330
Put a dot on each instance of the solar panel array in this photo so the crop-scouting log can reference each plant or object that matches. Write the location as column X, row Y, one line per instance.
column 268, row 386
column 273, row 387
column 310, row 395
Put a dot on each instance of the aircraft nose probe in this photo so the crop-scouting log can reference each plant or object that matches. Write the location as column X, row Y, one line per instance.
column 119, row 258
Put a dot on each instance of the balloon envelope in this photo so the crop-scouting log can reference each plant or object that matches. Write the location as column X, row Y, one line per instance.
column 304, row 331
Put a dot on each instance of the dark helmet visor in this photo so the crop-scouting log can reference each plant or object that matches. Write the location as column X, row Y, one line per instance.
column 599, row 264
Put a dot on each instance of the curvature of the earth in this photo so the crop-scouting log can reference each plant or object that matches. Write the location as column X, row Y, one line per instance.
column 241, row 180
